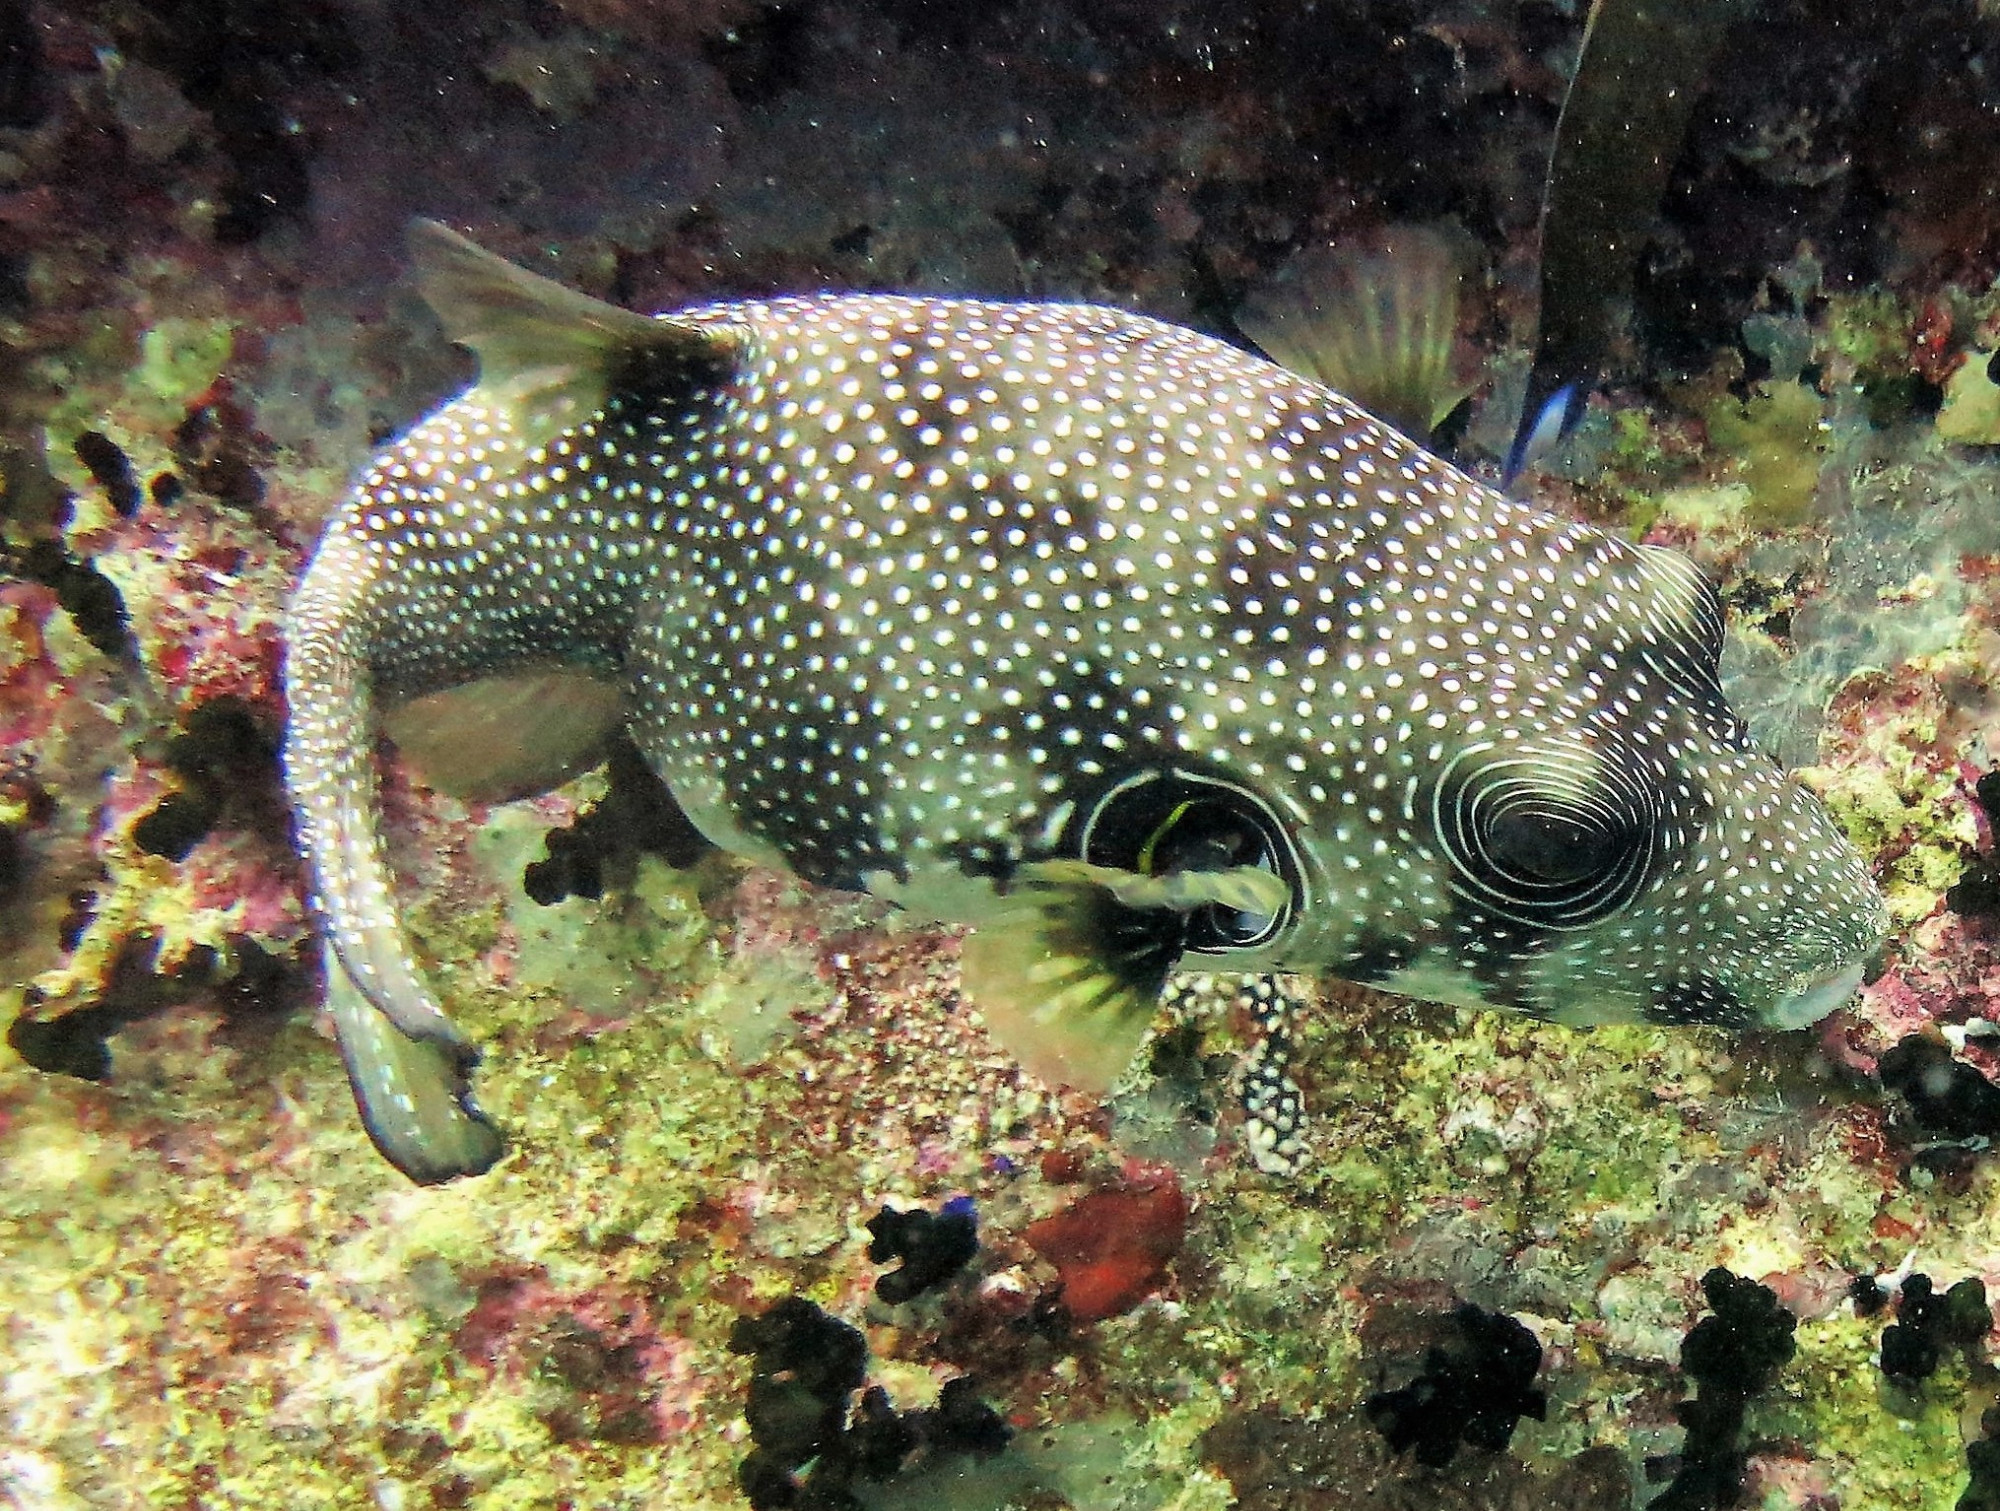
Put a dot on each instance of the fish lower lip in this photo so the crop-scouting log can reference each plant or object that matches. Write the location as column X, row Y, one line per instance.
column 1802, row 1009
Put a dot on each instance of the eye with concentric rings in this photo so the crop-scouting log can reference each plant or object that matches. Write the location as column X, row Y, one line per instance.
column 1555, row 839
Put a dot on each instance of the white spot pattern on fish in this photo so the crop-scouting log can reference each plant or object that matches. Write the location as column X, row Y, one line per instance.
column 1135, row 650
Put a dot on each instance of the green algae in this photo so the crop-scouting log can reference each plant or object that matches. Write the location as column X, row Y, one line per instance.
column 1715, row 512
column 1970, row 414
column 1832, row 1398
column 137, row 395
column 1637, row 467
column 1776, row 442
column 1899, row 798
column 1904, row 800
column 1869, row 330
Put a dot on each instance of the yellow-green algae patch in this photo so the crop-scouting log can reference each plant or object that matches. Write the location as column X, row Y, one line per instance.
column 1832, row 1399
column 1970, row 413
column 135, row 396
column 1893, row 792
column 1776, row 441
column 207, row 1261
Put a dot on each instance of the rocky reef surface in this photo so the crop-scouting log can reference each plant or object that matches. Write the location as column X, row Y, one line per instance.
column 718, row 1082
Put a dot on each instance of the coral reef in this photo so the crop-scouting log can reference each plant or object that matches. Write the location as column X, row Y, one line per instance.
column 216, row 1295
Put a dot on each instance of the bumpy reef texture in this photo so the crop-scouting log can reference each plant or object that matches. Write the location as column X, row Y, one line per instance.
column 212, row 1293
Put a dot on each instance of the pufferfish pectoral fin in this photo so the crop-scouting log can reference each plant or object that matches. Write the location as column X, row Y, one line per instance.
column 1375, row 319
column 415, row 1095
column 510, row 736
column 550, row 357
column 1068, row 976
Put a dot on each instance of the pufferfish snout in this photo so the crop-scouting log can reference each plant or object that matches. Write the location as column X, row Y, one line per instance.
column 1155, row 662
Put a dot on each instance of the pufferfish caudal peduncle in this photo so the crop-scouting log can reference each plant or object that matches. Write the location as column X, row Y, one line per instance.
column 1146, row 657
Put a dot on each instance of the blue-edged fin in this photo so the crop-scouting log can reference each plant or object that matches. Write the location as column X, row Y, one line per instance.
column 507, row 737
column 549, row 357
column 1068, row 975
column 1547, row 420
column 1375, row 319
column 415, row 1095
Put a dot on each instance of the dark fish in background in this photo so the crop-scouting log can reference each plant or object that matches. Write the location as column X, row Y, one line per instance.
column 1624, row 119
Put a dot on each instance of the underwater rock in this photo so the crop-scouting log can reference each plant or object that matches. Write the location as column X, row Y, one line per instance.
column 250, row 983
column 1475, row 1385
column 1976, row 893
column 20, row 65
column 933, row 1247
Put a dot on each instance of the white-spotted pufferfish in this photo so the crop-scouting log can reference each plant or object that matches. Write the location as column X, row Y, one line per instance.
column 1139, row 653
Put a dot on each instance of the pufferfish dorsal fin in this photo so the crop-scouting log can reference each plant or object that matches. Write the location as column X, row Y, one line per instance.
column 1069, row 973
column 550, row 357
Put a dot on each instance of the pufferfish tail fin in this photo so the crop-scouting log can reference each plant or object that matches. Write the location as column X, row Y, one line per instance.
column 550, row 357
column 1375, row 320
column 409, row 1064
column 1068, row 976
column 415, row 1095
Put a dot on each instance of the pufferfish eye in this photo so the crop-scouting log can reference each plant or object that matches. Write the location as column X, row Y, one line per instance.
column 1163, row 822
column 1552, row 839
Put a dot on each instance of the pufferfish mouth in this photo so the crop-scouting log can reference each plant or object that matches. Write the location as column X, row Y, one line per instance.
column 1815, row 997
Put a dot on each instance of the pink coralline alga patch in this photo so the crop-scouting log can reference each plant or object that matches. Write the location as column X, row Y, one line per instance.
column 255, row 879
column 1950, row 973
column 631, row 1381
column 205, row 592
column 32, row 690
